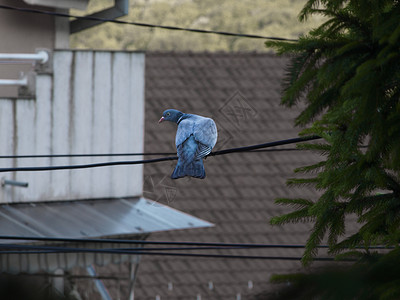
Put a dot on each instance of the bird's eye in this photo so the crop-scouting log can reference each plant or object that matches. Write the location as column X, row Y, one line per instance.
column 168, row 114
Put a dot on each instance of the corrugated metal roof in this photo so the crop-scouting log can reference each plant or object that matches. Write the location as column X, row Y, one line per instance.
column 128, row 217
column 93, row 218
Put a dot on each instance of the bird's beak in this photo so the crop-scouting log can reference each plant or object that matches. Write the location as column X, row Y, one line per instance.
column 162, row 119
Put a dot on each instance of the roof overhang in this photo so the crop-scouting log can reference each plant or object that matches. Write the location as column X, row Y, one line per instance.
column 93, row 218
column 102, row 218
column 67, row 4
column 119, row 9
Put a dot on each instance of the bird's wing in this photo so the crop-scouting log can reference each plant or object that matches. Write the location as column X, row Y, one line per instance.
column 205, row 132
column 187, row 151
column 202, row 150
column 184, row 131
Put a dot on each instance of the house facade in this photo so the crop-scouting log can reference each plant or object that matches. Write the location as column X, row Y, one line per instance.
column 68, row 111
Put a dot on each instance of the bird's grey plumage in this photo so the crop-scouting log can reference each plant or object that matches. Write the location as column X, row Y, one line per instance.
column 195, row 138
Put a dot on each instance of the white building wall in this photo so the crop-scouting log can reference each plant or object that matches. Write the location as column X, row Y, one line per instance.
column 93, row 103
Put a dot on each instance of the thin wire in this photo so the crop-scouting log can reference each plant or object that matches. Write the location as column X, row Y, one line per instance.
column 50, row 249
column 156, row 160
column 266, row 145
column 89, row 18
column 56, row 248
column 136, row 154
column 77, row 249
column 67, row 275
column 87, row 166
column 259, row 257
column 118, row 241
column 126, row 154
column 142, row 242
column 85, row 155
column 200, row 248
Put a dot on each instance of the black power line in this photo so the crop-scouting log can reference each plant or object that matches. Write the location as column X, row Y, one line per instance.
column 87, row 166
column 160, row 251
column 193, row 245
column 156, row 160
column 227, row 256
column 125, row 154
column 266, row 145
column 86, row 155
column 142, row 242
column 136, row 154
column 89, row 18
column 31, row 249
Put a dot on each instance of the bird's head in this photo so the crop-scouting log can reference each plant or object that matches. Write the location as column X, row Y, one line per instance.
column 171, row 115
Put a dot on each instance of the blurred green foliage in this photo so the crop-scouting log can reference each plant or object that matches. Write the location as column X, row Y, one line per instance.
column 374, row 277
column 277, row 18
column 347, row 72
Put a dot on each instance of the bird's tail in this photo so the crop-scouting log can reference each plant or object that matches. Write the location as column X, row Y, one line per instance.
column 194, row 168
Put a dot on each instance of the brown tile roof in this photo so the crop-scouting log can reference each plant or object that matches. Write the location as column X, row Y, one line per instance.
column 241, row 92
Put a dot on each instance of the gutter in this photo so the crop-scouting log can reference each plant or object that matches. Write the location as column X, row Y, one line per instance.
column 120, row 9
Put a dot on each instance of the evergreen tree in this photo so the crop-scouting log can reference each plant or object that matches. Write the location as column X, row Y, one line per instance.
column 347, row 71
column 372, row 278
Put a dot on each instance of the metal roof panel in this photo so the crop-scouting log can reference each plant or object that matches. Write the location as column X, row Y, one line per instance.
column 93, row 218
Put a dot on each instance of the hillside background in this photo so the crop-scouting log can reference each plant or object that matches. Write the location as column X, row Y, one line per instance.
column 276, row 18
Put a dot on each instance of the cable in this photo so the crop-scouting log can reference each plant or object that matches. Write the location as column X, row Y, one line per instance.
column 78, row 249
column 137, row 154
column 139, row 242
column 85, row 155
column 266, row 145
column 156, row 160
column 143, row 242
column 125, row 154
column 86, row 166
column 58, row 14
column 258, row 257
column 70, row 276
column 49, row 250
column 44, row 249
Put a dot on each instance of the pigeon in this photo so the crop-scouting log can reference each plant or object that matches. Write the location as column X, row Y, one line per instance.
column 195, row 138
